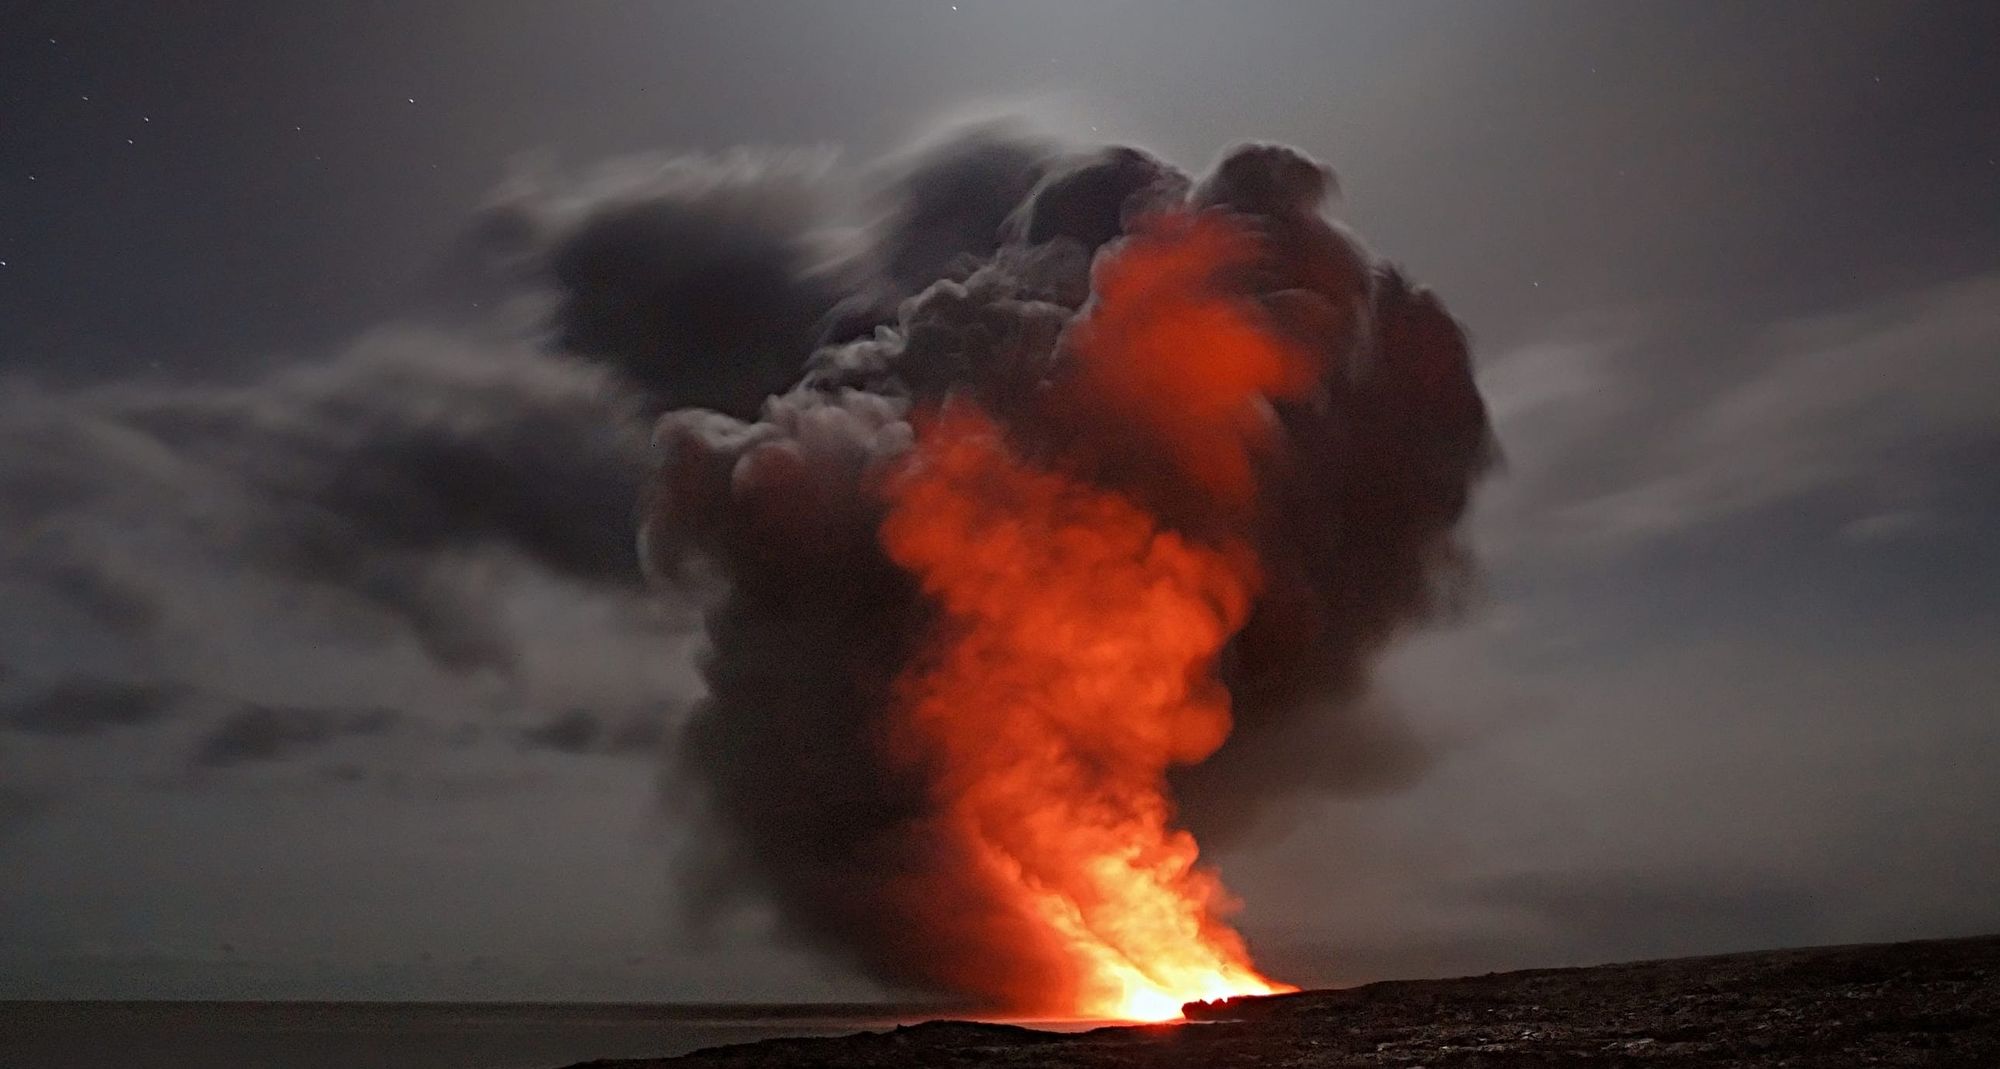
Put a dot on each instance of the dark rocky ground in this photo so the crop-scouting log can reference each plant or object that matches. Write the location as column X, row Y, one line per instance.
column 1904, row 1004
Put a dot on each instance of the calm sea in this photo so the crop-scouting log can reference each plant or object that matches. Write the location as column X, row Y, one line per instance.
column 389, row 1035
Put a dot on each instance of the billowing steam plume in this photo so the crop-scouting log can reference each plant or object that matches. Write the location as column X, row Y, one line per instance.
column 1098, row 496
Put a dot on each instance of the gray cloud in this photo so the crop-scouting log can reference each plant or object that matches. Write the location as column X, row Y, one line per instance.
column 266, row 733
column 369, row 475
column 423, row 523
column 580, row 731
column 574, row 731
column 84, row 706
column 415, row 483
column 1620, row 447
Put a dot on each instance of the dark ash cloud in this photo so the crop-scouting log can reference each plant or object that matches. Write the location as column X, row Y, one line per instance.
column 701, row 280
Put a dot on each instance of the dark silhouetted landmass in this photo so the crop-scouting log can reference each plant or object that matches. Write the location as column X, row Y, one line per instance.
column 1933, row 1003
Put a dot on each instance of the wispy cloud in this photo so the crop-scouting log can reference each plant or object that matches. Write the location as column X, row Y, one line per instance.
column 1869, row 403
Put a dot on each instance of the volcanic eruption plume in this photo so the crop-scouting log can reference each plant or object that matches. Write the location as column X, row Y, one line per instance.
column 1101, row 490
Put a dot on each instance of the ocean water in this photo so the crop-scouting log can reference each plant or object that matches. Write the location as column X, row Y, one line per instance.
column 391, row 1035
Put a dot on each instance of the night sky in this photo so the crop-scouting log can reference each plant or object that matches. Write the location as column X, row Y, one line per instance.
column 1733, row 277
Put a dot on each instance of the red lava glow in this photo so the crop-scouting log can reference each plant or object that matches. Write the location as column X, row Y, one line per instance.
column 1073, row 663
column 1169, row 346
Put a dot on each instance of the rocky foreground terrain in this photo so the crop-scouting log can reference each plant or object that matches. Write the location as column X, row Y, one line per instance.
column 1905, row 1004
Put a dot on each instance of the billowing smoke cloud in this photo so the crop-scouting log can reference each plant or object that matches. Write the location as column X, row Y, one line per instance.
column 701, row 280
column 795, row 334
column 1351, row 499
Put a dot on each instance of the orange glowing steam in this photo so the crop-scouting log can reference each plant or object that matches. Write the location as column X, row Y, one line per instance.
column 1074, row 659
column 1171, row 346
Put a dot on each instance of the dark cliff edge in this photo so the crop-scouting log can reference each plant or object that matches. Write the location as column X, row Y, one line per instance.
column 1932, row 1003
